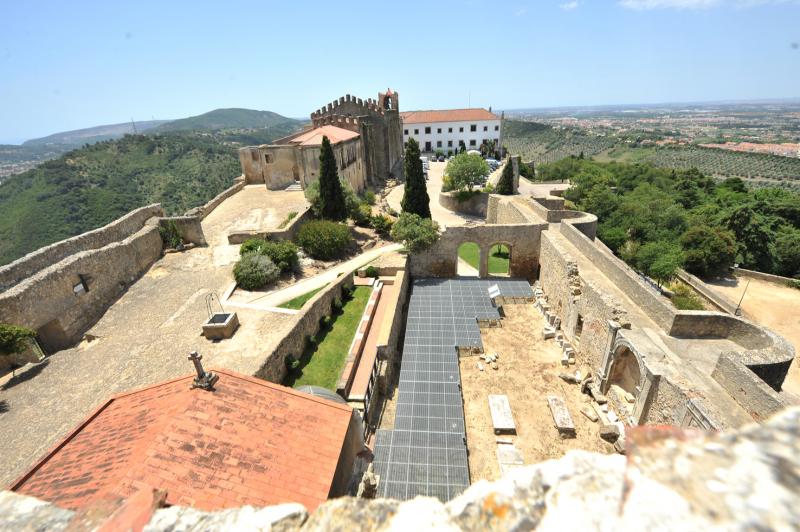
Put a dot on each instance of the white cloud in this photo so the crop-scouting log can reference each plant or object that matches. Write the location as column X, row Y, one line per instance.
column 569, row 6
column 644, row 5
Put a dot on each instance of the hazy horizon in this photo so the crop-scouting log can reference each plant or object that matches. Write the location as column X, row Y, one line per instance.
column 78, row 65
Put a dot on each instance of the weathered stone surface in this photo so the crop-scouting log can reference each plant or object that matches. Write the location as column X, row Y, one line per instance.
column 182, row 519
column 609, row 432
column 20, row 512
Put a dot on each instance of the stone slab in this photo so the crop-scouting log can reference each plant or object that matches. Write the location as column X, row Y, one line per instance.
column 502, row 420
column 561, row 417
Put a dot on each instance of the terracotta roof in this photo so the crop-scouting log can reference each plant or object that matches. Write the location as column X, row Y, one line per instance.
column 247, row 442
column 447, row 115
column 314, row 136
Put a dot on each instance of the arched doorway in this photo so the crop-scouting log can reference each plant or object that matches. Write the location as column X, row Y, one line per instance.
column 499, row 260
column 468, row 260
column 624, row 381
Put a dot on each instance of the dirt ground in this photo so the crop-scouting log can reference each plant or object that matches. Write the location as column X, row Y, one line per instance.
column 528, row 369
column 773, row 305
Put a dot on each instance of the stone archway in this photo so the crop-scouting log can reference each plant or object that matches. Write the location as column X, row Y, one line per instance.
column 468, row 260
column 499, row 259
column 626, row 371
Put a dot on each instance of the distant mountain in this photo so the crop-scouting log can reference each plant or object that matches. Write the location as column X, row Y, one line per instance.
column 226, row 119
column 90, row 135
column 91, row 186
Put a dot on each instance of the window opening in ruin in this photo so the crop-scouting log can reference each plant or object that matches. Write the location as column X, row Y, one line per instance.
column 499, row 260
column 625, row 372
column 254, row 156
column 468, row 260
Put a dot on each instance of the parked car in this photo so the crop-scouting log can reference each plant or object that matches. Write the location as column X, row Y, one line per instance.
column 441, row 158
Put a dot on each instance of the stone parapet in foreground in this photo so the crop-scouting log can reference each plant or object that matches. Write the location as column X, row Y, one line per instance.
column 670, row 479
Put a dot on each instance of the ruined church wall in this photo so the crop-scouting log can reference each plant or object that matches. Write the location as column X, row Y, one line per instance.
column 656, row 307
column 48, row 299
column 251, row 158
column 572, row 297
column 45, row 257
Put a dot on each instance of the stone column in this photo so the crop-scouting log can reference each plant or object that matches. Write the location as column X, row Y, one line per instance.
column 608, row 354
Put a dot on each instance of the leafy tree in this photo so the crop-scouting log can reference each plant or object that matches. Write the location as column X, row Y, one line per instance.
column 505, row 185
column 14, row 339
column 787, row 251
column 666, row 265
column 331, row 196
column 416, row 233
column 753, row 234
column 708, row 251
column 465, row 170
column 415, row 196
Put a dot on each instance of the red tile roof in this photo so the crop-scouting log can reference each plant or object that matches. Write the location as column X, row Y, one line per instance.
column 314, row 136
column 247, row 442
column 447, row 115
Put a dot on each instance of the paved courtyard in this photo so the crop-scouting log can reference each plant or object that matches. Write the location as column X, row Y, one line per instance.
column 144, row 337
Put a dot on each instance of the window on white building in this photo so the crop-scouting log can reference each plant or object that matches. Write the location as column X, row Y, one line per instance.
column 427, row 131
column 449, row 129
column 472, row 142
column 416, row 131
column 473, row 127
column 405, row 132
column 461, row 130
column 497, row 128
column 449, row 143
column 486, row 128
column 438, row 130
column 438, row 143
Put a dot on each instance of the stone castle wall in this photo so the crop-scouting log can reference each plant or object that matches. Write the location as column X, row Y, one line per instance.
column 118, row 230
column 48, row 301
column 475, row 205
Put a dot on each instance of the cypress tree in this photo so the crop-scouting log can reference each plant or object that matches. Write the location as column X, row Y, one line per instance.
column 331, row 195
column 505, row 185
column 415, row 195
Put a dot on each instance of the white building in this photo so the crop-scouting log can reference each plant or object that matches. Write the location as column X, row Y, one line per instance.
column 443, row 130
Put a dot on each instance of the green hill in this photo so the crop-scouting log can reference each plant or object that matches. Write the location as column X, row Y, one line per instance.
column 226, row 119
column 91, row 186
column 90, row 135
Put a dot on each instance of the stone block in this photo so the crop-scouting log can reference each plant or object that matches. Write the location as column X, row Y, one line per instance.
column 548, row 332
column 609, row 432
column 561, row 418
column 590, row 414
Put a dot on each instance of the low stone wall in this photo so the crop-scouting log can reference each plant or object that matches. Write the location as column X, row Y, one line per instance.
column 47, row 256
column 213, row 203
column 308, row 323
column 441, row 259
column 503, row 210
column 753, row 394
column 189, row 227
column 475, row 205
column 51, row 303
column 388, row 345
column 719, row 301
column 287, row 233
column 741, row 272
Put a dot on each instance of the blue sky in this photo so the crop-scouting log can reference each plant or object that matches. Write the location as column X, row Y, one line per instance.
column 68, row 65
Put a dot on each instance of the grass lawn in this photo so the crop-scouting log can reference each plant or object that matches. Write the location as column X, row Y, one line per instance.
column 498, row 256
column 323, row 359
column 470, row 253
column 298, row 302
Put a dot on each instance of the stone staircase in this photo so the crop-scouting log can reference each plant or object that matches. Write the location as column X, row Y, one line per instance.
column 293, row 187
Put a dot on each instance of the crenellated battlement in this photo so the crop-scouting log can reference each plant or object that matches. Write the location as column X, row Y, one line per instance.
column 349, row 105
column 350, row 123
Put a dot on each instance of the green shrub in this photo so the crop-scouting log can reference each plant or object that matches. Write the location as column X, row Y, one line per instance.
column 14, row 339
column 684, row 298
column 361, row 215
column 170, row 235
column 289, row 217
column 324, row 240
column 416, row 233
column 252, row 244
column 382, row 224
column 794, row 284
column 291, row 362
column 466, row 195
column 369, row 197
column 283, row 253
column 372, row 271
column 254, row 271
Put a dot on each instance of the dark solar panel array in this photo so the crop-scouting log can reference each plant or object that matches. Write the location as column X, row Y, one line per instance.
column 426, row 453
